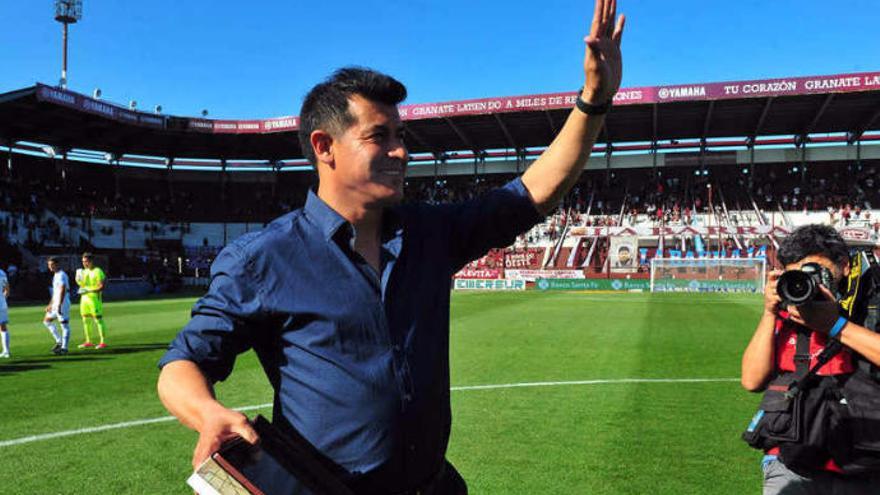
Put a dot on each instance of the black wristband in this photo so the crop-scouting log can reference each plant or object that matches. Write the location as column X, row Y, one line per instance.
column 588, row 109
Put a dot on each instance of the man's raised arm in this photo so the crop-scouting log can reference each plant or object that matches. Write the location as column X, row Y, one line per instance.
column 558, row 168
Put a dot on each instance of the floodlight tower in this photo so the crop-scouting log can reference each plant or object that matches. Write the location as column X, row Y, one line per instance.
column 67, row 12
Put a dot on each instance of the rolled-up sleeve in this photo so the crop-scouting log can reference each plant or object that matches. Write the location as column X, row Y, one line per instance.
column 491, row 221
column 222, row 320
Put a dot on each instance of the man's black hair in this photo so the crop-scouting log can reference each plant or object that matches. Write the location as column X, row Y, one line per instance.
column 54, row 259
column 88, row 255
column 326, row 105
column 812, row 240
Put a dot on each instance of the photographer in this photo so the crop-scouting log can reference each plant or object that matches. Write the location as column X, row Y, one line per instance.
column 805, row 423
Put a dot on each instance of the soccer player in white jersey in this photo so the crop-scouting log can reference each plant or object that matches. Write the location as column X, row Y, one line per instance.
column 58, row 307
column 4, row 315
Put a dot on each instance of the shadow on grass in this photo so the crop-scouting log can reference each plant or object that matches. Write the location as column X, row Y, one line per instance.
column 125, row 349
column 8, row 369
column 31, row 364
column 75, row 356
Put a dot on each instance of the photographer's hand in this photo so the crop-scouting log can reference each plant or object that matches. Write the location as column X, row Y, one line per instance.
column 822, row 315
column 771, row 297
column 757, row 360
column 817, row 315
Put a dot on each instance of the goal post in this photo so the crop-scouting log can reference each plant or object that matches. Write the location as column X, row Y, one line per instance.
column 708, row 274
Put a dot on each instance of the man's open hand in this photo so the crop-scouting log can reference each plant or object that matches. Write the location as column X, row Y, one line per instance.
column 603, row 64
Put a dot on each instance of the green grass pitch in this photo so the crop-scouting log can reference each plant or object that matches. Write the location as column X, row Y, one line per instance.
column 595, row 438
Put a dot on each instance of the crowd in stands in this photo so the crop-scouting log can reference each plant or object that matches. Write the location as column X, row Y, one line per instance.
column 667, row 195
column 87, row 190
column 79, row 193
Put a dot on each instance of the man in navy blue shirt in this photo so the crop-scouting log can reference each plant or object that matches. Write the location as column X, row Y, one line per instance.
column 346, row 301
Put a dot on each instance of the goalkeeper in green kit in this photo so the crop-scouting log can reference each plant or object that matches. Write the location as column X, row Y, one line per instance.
column 90, row 279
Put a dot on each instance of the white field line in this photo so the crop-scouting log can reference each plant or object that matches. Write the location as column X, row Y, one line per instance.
column 594, row 382
column 165, row 419
column 97, row 429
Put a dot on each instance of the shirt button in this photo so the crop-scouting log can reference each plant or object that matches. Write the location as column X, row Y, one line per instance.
column 407, row 397
column 412, row 447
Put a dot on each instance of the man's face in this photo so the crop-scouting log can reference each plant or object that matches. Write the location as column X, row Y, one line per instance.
column 624, row 256
column 370, row 157
column 87, row 263
column 838, row 271
column 52, row 266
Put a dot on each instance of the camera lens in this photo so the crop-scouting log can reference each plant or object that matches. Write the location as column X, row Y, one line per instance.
column 795, row 287
column 798, row 289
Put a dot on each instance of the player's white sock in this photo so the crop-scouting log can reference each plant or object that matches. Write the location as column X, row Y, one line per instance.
column 50, row 325
column 65, row 334
column 5, row 341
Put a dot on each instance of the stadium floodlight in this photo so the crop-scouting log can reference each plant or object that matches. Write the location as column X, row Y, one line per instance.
column 158, row 109
column 50, row 151
column 67, row 12
column 132, row 104
column 96, row 94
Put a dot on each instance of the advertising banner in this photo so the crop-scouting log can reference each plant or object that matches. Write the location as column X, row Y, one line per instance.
column 529, row 258
column 694, row 285
column 532, row 275
column 482, row 284
column 646, row 231
column 858, row 235
column 98, row 107
column 840, row 83
column 477, row 273
column 599, row 284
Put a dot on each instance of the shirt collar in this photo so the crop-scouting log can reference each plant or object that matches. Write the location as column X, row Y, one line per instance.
column 322, row 216
column 329, row 222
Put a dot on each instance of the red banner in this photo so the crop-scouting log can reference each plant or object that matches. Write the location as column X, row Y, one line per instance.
column 530, row 258
column 855, row 234
column 841, row 83
column 480, row 273
column 281, row 124
column 532, row 275
column 97, row 107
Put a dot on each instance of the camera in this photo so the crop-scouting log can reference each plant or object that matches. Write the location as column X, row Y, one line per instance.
column 796, row 287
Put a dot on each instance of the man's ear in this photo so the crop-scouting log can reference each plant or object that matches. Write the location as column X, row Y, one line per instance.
column 322, row 145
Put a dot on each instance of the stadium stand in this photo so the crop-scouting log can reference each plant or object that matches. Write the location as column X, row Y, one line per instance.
column 701, row 170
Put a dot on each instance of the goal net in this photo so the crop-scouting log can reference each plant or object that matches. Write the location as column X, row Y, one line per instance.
column 708, row 274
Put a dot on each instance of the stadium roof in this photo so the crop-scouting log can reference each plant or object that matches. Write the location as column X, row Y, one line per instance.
column 787, row 106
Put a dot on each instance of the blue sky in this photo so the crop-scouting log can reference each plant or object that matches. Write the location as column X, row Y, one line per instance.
column 257, row 59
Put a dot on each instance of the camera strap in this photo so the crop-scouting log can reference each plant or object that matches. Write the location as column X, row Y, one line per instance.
column 864, row 299
column 805, row 376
